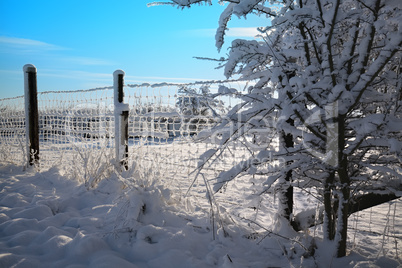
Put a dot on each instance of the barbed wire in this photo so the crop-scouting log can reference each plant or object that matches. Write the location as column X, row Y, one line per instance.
column 151, row 85
column 209, row 82
column 77, row 91
column 11, row 98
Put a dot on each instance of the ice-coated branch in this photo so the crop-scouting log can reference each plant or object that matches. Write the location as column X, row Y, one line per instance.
column 180, row 3
column 223, row 22
column 308, row 218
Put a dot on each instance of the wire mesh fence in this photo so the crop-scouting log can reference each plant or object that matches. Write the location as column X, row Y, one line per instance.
column 72, row 119
column 12, row 130
column 164, row 124
column 166, row 120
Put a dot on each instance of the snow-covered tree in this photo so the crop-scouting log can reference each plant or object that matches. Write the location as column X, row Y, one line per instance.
column 329, row 73
column 198, row 108
column 194, row 102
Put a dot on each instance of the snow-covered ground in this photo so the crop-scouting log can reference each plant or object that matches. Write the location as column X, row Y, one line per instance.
column 49, row 220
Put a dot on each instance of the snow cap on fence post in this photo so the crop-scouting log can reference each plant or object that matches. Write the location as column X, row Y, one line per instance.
column 31, row 113
column 120, row 119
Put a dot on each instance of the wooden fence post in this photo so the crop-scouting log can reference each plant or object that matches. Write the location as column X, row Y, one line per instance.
column 121, row 119
column 31, row 113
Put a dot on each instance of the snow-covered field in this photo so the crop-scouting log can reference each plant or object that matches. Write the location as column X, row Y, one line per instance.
column 48, row 220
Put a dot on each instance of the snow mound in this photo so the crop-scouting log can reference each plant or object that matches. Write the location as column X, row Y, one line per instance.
column 47, row 220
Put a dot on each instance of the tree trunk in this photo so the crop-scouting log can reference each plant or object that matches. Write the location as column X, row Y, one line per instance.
column 357, row 204
column 286, row 198
column 342, row 226
column 329, row 216
column 344, row 179
column 370, row 200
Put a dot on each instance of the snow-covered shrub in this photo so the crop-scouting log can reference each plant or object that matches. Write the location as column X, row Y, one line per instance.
column 88, row 165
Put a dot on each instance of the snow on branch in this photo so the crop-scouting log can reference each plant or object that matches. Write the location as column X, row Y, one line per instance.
column 180, row 3
column 223, row 22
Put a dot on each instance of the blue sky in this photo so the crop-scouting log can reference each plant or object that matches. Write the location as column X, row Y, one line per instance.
column 78, row 44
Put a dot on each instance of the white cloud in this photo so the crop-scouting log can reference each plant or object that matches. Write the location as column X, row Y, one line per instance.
column 10, row 72
column 23, row 46
column 26, row 44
